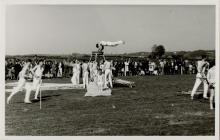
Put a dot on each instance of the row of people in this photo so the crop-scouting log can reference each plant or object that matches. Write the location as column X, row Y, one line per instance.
column 54, row 69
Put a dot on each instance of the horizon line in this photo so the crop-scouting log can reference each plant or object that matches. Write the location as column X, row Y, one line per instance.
column 105, row 53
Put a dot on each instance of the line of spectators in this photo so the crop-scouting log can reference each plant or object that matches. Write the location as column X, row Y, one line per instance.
column 128, row 67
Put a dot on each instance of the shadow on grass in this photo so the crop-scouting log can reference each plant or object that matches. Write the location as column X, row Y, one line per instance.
column 44, row 98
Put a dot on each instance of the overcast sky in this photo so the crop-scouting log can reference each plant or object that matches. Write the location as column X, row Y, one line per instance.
column 66, row 29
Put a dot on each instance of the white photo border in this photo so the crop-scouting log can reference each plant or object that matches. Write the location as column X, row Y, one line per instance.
column 5, row 3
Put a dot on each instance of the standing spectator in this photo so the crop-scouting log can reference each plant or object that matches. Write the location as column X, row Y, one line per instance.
column 194, row 71
column 53, row 70
column 66, row 70
column 152, row 66
column 176, row 68
column 60, row 70
column 115, row 70
column 190, row 68
column 126, row 68
column 17, row 69
column 161, row 67
column 186, row 66
column 172, row 67
column 122, row 72
column 130, row 67
column 62, row 66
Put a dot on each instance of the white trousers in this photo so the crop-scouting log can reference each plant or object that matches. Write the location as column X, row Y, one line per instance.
column 85, row 79
column 108, row 77
column 36, row 86
column 212, row 97
column 73, row 79
column 77, row 77
column 197, row 84
column 32, row 86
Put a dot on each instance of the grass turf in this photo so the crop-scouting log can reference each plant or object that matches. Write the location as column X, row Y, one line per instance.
column 151, row 108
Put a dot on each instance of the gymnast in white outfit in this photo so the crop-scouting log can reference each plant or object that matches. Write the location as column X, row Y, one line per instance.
column 94, row 70
column 90, row 70
column 60, row 70
column 77, row 71
column 108, row 74
column 23, row 76
column 211, row 79
column 74, row 77
column 201, row 77
column 85, row 68
column 37, row 72
column 100, row 81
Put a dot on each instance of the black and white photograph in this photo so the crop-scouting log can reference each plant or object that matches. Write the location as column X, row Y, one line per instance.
column 110, row 70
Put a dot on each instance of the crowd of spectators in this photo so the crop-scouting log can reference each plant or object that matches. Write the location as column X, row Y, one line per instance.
column 127, row 67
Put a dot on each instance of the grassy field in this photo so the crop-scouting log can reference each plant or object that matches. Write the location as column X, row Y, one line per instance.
column 151, row 108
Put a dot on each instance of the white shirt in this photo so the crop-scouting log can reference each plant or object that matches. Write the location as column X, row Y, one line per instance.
column 202, row 65
column 60, row 66
column 94, row 66
column 24, row 72
column 211, row 75
column 161, row 63
column 38, row 71
column 74, row 68
column 107, row 65
column 78, row 66
column 85, row 67
column 126, row 66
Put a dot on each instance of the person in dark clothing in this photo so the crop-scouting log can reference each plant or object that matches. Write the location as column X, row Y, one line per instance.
column 17, row 68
